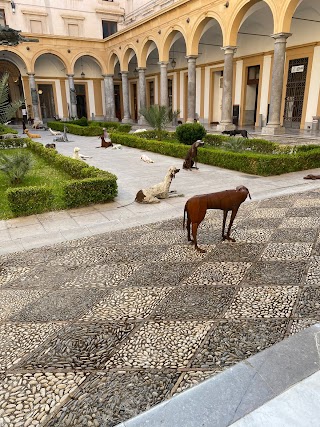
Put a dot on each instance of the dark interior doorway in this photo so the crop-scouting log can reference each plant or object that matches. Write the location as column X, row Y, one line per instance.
column 81, row 100
column 46, row 100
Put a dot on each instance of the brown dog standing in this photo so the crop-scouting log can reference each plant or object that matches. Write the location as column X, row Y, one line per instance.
column 196, row 208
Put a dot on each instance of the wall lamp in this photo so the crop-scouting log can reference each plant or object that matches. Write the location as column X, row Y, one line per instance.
column 13, row 6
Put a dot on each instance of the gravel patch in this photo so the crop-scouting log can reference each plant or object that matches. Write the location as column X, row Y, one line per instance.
column 276, row 273
column 287, row 251
column 309, row 303
column 218, row 273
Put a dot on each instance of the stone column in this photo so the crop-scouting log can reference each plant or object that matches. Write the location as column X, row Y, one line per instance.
column 226, row 122
column 142, row 94
column 34, row 97
column 125, row 97
column 164, row 84
column 191, row 88
column 273, row 125
column 73, row 97
column 109, row 98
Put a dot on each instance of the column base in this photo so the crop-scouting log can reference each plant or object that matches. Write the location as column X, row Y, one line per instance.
column 127, row 120
column 111, row 119
column 225, row 126
column 273, row 130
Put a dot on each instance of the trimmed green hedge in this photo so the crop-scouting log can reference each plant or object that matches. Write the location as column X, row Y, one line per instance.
column 88, row 191
column 248, row 162
column 30, row 200
column 12, row 143
column 90, row 185
column 94, row 128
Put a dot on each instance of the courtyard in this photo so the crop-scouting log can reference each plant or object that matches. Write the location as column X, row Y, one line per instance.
column 100, row 322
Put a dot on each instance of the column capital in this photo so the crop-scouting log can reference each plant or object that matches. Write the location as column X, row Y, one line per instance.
column 229, row 49
column 163, row 63
column 141, row 68
column 191, row 57
column 107, row 75
column 124, row 73
column 281, row 37
column 31, row 74
column 70, row 75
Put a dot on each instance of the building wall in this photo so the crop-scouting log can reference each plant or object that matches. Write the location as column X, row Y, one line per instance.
column 173, row 30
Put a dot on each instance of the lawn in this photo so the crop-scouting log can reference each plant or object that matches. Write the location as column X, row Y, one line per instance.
column 41, row 174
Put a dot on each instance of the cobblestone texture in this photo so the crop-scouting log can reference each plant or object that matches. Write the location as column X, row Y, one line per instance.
column 97, row 330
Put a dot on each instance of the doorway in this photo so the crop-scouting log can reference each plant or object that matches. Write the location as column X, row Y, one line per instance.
column 296, row 83
column 134, row 101
column 46, row 102
column 251, row 96
column 117, row 101
column 81, row 100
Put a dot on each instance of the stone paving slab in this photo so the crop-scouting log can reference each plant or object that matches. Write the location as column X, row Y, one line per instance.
column 105, row 327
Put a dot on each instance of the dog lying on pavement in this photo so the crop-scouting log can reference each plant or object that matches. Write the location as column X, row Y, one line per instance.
column 158, row 191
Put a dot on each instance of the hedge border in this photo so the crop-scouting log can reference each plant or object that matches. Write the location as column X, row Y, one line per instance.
column 94, row 128
column 89, row 185
column 248, row 162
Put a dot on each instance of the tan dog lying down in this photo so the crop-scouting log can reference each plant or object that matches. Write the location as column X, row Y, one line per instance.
column 31, row 135
column 158, row 191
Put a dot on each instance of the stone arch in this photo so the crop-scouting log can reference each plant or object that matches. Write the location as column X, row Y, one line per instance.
column 89, row 54
column 145, row 51
column 112, row 61
column 285, row 18
column 168, row 41
column 199, row 27
column 127, row 56
column 239, row 14
column 62, row 58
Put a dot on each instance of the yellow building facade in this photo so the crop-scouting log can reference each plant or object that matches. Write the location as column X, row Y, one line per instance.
column 236, row 62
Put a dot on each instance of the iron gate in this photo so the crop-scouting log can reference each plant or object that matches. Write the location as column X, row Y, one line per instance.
column 296, row 83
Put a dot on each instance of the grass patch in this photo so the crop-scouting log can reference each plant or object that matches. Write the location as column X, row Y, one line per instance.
column 41, row 174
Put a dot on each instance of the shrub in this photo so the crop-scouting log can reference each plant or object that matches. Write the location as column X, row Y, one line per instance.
column 29, row 200
column 89, row 190
column 80, row 122
column 6, row 129
column 15, row 166
column 158, row 117
column 94, row 128
column 12, row 143
column 189, row 133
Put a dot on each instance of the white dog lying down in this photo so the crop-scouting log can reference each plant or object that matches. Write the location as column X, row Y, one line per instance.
column 146, row 159
column 54, row 132
column 158, row 191
column 78, row 156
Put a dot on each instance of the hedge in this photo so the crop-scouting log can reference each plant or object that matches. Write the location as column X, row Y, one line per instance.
column 12, row 143
column 94, row 128
column 29, row 200
column 88, row 191
column 248, row 162
column 90, row 185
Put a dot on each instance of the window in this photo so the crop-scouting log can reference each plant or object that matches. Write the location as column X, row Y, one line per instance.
column 151, row 92
column 108, row 28
column 2, row 18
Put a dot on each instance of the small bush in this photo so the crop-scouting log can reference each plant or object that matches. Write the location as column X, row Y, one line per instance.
column 6, row 129
column 80, row 122
column 15, row 166
column 189, row 133
column 29, row 200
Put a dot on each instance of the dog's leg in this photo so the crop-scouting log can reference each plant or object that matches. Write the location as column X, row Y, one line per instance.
column 188, row 230
column 233, row 215
column 194, row 235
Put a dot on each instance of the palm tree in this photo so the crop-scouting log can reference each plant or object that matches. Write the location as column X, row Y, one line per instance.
column 7, row 109
column 16, row 166
column 158, row 117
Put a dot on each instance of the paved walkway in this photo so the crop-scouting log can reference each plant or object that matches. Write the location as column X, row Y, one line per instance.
column 134, row 174
column 96, row 330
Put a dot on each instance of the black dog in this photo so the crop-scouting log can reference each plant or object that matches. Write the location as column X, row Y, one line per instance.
column 235, row 132
column 51, row 146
